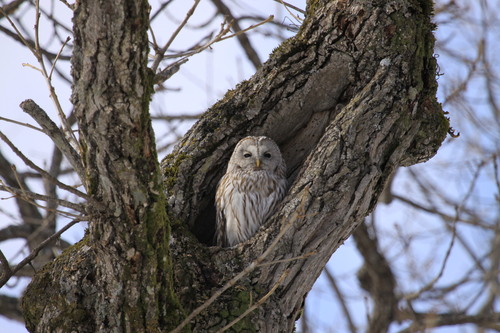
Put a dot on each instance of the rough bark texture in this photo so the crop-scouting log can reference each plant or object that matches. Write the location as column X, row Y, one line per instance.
column 349, row 99
column 119, row 277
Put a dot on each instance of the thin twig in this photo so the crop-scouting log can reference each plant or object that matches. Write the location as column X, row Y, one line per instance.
column 57, row 57
column 177, row 117
column 28, row 196
column 170, row 70
column 286, row 4
column 253, row 26
column 42, row 172
column 24, row 64
column 243, row 39
column 259, row 302
column 21, row 124
column 19, row 34
column 431, row 283
column 179, row 54
column 300, row 20
column 38, row 53
column 56, row 134
column 433, row 210
column 174, row 67
column 161, row 52
column 70, row 6
column 295, row 216
column 225, row 28
column 37, row 30
column 458, row 209
column 280, row 261
column 5, row 266
column 341, row 299
column 48, row 79
column 496, row 175
column 34, row 253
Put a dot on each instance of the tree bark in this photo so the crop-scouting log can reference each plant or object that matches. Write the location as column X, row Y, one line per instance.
column 119, row 277
column 349, row 99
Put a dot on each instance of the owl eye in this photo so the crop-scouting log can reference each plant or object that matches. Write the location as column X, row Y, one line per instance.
column 247, row 155
column 267, row 155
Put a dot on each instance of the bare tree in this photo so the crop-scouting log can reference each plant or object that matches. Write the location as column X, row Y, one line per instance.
column 423, row 239
column 350, row 98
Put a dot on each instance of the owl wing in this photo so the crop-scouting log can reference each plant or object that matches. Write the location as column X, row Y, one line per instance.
column 222, row 200
column 271, row 201
column 244, row 201
column 233, row 215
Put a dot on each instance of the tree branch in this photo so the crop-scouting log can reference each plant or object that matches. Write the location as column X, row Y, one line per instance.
column 10, row 308
column 28, row 212
column 328, row 98
column 244, row 41
column 429, row 320
column 59, row 138
column 8, row 273
column 341, row 299
column 377, row 278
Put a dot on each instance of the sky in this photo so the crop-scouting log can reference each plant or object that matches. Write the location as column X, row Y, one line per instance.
column 200, row 83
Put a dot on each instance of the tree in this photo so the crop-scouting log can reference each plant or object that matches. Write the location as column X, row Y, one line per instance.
column 349, row 99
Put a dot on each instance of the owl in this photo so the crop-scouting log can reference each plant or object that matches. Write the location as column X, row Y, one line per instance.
column 247, row 195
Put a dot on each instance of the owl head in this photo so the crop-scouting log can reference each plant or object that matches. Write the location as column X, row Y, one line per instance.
column 257, row 153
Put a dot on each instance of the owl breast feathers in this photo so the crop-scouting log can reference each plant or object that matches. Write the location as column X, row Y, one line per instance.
column 251, row 189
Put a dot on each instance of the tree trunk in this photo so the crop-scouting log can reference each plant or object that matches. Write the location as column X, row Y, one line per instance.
column 349, row 99
column 118, row 278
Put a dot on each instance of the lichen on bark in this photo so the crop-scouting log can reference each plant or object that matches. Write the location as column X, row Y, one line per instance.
column 349, row 99
column 121, row 278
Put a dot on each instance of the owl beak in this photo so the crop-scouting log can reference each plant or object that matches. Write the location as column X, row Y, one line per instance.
column 257, row 163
